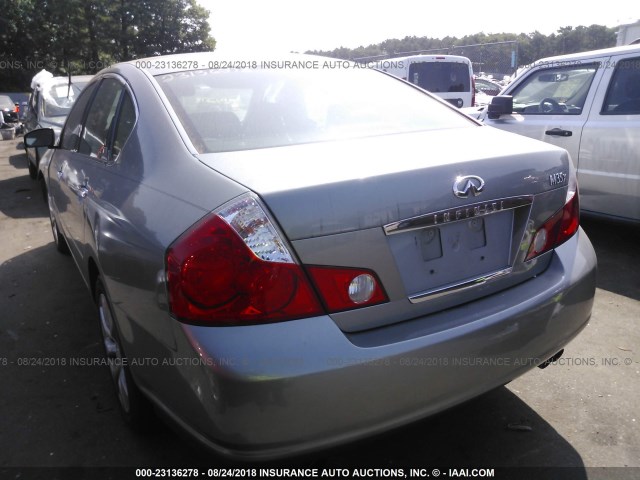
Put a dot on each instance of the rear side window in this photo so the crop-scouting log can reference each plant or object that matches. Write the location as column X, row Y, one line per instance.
column 33, row 101
column 439, row 77
column 97, row 128
column 124, row 125
column 623, row 96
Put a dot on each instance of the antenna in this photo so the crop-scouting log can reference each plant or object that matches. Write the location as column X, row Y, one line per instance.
column 69, row 84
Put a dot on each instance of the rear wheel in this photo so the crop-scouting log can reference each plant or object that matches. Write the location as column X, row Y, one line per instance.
column 134, row 406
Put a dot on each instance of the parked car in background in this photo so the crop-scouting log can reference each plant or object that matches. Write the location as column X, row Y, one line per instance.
column 589, row 104
column 259, row 240
column 450, row 77
column 487, row 86
column 49, row 104
column 485, row 89
column 10, row 115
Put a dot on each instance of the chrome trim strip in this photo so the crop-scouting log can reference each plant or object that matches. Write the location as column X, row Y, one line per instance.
column 466, row 285
column 450, row 215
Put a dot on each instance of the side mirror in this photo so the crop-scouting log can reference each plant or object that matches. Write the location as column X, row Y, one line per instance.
column 42, row 137
column 500, row 105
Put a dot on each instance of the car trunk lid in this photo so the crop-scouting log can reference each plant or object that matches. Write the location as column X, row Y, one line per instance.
column 430, row 214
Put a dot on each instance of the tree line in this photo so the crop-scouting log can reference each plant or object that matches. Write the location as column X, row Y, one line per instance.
column 84, row 36
column 531, row 46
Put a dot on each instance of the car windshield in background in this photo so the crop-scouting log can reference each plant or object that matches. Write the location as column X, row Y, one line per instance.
column 6, row 103
column 440, row 76
column 227, row 110
column 59, row 97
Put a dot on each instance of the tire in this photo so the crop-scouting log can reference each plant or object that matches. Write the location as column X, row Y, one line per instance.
column 135, row 408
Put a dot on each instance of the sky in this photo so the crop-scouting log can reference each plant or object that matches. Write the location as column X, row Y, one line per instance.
column 289, row 25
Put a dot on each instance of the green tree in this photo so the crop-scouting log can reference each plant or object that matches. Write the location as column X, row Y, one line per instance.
column 169, row 26
column 531, row 47
column 15, row 44
column 82, row 36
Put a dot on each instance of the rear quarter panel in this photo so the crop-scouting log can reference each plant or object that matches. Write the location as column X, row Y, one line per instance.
column 136, row 207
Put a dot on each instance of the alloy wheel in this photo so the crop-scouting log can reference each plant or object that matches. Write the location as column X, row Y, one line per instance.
column 114, row 352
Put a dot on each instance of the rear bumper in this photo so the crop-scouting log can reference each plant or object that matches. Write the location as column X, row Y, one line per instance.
column 274, row 390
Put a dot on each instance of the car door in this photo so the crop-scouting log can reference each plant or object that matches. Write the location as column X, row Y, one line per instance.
column 551, row 103
column 84, row 146
column 609, row 159
column 64, row 200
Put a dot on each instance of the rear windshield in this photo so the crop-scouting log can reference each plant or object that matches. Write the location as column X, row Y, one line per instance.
column 227, row 110
column 439, row 77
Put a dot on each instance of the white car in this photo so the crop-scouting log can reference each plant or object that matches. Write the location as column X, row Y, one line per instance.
column 589, row 104
column 49, row 104
column 449, row 77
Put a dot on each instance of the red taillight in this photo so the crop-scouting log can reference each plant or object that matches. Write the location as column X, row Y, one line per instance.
column 346, row 288
column 233, row 268
column 561, row 226
column 214, row 278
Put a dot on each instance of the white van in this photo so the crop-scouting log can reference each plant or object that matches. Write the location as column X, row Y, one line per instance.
column 589, row 104
column 448, row 76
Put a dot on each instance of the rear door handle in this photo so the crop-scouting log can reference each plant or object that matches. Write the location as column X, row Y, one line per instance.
column 558, row 132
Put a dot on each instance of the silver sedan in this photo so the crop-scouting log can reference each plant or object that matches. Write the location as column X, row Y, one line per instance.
column 291, row 253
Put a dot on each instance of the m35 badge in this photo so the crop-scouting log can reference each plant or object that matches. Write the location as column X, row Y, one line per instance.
column 557, row 178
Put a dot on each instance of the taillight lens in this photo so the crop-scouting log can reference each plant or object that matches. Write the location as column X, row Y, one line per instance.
column 561, row 226
column 232, row 268
column 347, row 288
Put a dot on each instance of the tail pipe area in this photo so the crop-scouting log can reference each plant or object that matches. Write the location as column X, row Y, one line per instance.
column 548, row 362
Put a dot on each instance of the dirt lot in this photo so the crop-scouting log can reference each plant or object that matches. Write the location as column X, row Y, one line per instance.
column 583, row 412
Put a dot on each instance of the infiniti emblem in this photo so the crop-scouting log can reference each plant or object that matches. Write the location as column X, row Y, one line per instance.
column 468, row 185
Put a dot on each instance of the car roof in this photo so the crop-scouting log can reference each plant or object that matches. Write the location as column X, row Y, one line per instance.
column 586, row 55
column 442, row 56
